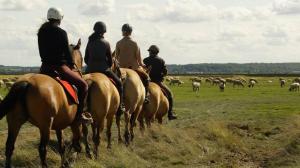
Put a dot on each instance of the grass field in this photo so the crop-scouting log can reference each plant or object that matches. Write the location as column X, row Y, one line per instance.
column 241, row 127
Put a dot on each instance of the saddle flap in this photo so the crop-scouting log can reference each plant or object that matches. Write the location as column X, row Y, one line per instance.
column 69, row 89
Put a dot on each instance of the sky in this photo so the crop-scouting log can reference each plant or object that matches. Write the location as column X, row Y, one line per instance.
column 186, row 31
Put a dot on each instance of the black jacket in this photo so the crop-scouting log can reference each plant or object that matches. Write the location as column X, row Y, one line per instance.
column 158, row 70
column 54, row 45
column 97, row 54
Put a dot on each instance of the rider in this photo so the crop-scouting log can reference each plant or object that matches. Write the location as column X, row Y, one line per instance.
column 98, row 58
column 129, row 56
column 56, row 57
column 157, row 73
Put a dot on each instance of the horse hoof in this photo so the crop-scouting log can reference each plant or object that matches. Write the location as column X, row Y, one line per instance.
column 90, row 155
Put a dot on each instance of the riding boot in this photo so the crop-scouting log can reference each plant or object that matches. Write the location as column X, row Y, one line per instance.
column 171, row 115
column 82, row 114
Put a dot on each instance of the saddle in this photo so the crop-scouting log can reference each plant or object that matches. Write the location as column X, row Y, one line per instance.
column 69, row 89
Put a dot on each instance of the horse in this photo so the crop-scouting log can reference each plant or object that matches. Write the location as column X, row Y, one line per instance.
column 103, row 102
column 42, row 101
column 157, row 107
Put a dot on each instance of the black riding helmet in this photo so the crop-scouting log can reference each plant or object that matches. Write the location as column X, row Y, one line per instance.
column 153, row 49
column 100, row 27
column 127, row 28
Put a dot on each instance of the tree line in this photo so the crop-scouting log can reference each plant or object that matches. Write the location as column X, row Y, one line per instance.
column 205, row 68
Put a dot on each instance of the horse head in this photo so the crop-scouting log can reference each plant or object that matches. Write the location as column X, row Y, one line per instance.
column 76, row 55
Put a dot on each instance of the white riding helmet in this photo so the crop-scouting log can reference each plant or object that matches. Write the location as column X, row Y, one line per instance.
column 55, row 13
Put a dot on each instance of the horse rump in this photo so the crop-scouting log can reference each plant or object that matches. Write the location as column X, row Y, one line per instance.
column 16, row 93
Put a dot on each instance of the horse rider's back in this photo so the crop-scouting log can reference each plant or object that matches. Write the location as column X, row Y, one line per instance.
column 128, row 53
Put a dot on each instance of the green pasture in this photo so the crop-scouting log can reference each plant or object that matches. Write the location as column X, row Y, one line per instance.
column 240, row 127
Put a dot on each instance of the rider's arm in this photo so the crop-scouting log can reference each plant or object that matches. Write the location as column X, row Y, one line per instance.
column 108, row 54
column 66, row 49
column 138, row 56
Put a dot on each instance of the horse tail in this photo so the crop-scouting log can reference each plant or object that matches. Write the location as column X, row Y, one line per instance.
column 16, row 93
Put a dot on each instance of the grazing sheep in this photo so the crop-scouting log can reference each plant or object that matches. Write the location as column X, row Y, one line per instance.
column 196, row 79
column 222, row 80
column 196, row 86
column 242, row 79
column 297, row 80
column 2, row 84
column 282, row 82
column 9, row 84
column 169, row 78
column 215, row 82
column 208, row 81
column 269, row 81
column 253, row 79
column 238, row 83
column 222, row 86
column 251, row 83
column 294, row 87
column 1, row 98
column 176, row 81
column 229, row 80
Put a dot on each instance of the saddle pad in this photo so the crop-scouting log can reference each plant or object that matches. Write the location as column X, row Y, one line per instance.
column 69, row 90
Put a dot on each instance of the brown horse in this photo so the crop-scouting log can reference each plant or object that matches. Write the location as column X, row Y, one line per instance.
column 103, row 103
column 42, row 101
column 134, row 93
column 157, row 107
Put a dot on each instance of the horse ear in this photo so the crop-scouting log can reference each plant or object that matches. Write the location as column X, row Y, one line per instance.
column 78, row 45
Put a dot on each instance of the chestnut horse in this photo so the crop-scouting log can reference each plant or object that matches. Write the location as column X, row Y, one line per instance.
column 157, row 107
column 42, row 101
column 103, row 103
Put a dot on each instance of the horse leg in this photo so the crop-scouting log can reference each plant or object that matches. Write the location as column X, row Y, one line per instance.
column 14, row 126
column 126, row 133
column 141, row 121
column 61, row 145
column 45, row 135
column 118, row 122
column 97, row 137
column 85, row 132
column 76, row 131
column 109, row 122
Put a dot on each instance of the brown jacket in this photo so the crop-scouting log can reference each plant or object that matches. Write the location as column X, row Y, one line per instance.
column 128, row 53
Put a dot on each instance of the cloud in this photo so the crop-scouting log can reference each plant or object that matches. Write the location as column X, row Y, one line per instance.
column 18, row 5
column 275, row 36
column 285, row 7
column 192, row 11
column 96, row 7
column 175, row 11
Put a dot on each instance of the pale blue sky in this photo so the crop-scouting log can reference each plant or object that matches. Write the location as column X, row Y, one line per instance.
column 187, row 31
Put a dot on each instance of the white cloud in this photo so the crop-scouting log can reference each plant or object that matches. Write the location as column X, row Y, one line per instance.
column 276, row 36
column 192, row 11
column 96, row 7
column 16, row 5
column 286, row 6
column 176, row 11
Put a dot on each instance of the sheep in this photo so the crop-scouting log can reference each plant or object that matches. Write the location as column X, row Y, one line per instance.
column 2, row 84
column 196, row 86
column 169, row 78
column 208, row 80
column 222, row 86
column 294, row 87
column 282, row 82
column 9, row 84
column 1, row 98
column 296, row 80
column 215, row 82
column 176, row 81
column 253, row 79
column 238, row 83
column 196, row 79
column 251, row 83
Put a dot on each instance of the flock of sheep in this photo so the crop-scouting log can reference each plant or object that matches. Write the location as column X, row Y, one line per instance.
column 234, row 81
column 7, row 82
